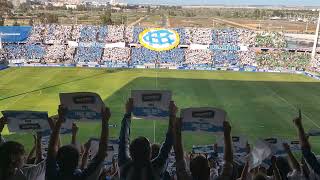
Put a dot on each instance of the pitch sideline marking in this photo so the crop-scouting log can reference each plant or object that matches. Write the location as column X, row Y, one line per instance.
column 293, row 107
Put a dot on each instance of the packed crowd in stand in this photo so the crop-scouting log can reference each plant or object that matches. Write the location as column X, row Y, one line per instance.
column 86, row 44
column 116, row 55
column 198, row 56
column 283, row 59
column 138, row 159
column 270, row 40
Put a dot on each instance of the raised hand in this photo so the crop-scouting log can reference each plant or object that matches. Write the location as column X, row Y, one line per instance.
column 62, row 110
column 106, row 114
column 75, row 128
column 177, row 125
column 248, row 148
column 129, row 106
column 298, row 120
column 3, row 121
column 87, row 145
column 286, row 147
column 173, row 109
column 226, row 127
column 274, row 161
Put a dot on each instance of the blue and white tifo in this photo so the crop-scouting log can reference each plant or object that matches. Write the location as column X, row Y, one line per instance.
column 236, row 49
column 159, row 39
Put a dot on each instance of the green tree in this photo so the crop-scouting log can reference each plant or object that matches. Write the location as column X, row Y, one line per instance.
column 52, row 18
column 1, row 20
column 257, row 13
column 5, row 8
column 31, row 22
column 106, row 18
column 24, row 7
column 16, row 23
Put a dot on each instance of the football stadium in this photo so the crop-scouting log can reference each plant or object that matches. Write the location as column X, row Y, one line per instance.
column 158, row 101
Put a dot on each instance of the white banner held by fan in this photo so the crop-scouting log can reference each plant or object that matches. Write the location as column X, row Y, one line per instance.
column 112, row 152
column 82, row 106
column 205, row 119
column 239, row 144
column 276, row 145
column 204, row 149
column 151, row 104
column 27, row 121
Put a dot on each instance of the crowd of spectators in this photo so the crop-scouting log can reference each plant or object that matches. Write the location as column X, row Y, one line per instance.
column 283, row 59
column 195, row 57
column 227, row 47
column 116, row 55
column 270, row 40
column 139, row 159
column 200, row 35
column 57, row 34
column 55, row 53
column 91, row 54
column 116, row 34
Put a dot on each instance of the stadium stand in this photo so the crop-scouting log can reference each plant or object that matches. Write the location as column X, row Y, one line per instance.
column 225, row 48
column 200, row 35
column 198, row 57
column 90, row 54
column 116, row 34
column 57, row 34
column 55, row 53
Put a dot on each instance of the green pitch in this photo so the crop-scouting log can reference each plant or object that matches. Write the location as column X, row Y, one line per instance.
column 259, row 105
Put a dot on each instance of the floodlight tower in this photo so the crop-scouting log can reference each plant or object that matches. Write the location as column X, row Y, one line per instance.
column 316, row 38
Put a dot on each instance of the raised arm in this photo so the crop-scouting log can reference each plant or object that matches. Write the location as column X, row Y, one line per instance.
column 182, row 173
column 166, row 147
column 244, row 174
column 125, row 134
column 228, row 152
column 75, row 130
column 54, row 138
column 275, row 170
column 309, row 157
column 52, row 123
column 103, row 145
column 302, row 135
column 2, row 123
column 31, row 153
column 85, row 155
column 52, row 169
column 293, row 161
column 38, row 149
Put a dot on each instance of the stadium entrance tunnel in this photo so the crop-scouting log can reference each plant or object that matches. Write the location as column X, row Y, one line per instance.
column 256, row 109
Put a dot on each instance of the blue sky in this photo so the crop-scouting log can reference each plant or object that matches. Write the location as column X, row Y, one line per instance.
column 229, row 2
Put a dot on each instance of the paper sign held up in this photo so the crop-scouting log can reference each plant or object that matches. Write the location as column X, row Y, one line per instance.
column 151, row 104
column 205, row 119
column 205, row 149
column 112, row 151
column 276, row 145
column 82, row 106
column 27, row 121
